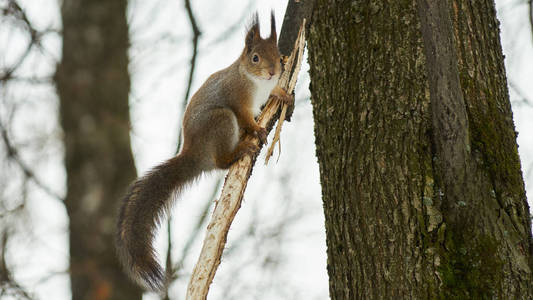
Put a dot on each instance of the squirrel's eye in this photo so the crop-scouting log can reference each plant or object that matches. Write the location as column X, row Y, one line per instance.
column 255, row 58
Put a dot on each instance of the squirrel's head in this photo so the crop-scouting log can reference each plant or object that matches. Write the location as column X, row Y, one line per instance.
column 261, row 57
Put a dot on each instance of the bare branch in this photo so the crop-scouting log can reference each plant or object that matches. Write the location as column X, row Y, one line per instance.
column 170, row 269
column 195, row 232
column 7, row 73
column 13, row 154
column 518, row 91
column 530, row 171
column 196, row 35
column 168, row 263
column 14, row 10
column 18, row 208
column 232, row 28
column 8, row 287
column 32, row 80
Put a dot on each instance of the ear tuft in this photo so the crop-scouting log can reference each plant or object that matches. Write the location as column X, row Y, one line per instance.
column 273, row 35
column 253, row 32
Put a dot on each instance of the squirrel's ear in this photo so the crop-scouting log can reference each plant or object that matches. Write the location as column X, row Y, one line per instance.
column 273, row 34
column 253, row 32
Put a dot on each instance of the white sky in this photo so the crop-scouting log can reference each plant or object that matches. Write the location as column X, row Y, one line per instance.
column 159, row 66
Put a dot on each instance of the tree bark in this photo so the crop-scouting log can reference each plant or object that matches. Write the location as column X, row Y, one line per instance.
column 93, row 86
column 421, row 182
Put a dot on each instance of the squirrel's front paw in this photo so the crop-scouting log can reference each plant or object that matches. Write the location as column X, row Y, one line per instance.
column 282, row 95
column 287, row 99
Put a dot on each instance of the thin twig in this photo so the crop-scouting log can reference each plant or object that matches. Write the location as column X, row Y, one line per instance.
column 8, row 286
column 229, row 202
column 13, row 154
column 8, row 212
column 168, row 263
column 196, row 35
column 7, row 73
column 173, row 269
column 232, row 28
column 13, row 9
column 199, row 224
column 518, row 91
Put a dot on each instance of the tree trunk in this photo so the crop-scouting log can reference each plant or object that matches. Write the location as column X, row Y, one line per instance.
column 93, row 85
column 421, row 182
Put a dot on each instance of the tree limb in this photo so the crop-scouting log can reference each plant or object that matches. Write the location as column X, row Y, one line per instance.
column 230, row 200
column 196, row 35
column 13, row 154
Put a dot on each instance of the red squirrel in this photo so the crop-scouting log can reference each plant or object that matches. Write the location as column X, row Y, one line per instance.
column 223, row 107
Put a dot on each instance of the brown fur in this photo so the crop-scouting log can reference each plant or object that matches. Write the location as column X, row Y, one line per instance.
column 216, row 114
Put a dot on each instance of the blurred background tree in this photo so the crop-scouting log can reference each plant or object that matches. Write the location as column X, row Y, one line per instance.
column 93, row 86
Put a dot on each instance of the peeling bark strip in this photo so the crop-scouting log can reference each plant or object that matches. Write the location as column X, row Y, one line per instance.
column 449, row 117
column 230, row 199
column 289, row 79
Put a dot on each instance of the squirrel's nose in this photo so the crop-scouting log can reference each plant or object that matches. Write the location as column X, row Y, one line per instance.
column 271, row 72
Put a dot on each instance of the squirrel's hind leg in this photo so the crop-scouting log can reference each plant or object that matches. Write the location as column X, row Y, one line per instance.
column 224, row 139
column 243, row 148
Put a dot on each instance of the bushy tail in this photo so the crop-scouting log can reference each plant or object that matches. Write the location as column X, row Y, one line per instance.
column 141, row 213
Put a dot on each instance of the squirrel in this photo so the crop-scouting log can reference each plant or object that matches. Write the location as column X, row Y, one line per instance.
column 218, row 114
